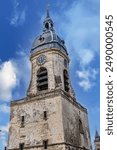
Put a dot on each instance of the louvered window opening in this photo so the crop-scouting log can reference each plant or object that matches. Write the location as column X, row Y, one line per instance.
column 66, row 81
column 42, row 79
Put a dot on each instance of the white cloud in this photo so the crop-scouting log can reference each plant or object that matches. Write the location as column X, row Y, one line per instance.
column 89, row 73
column 23, row 68
column 3, row 133
column 94, row 73
column 4, row 108
column 83, row 74
column 86, row 56
column 81, row 29
column 8, row 80
column 14, row 74
column 87, row 78
column 85, row 84
column 4, row 129
column 18, row 16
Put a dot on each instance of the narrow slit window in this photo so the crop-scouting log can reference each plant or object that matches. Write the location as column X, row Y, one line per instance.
column 21, row 146
column 5, row 148
column 45, row 115
column 81, row 127
column 45, row 144
column 84, row 148
column 22, row 121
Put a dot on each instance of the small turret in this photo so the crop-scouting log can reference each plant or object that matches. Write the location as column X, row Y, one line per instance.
column 48, row 23
column 97, row 141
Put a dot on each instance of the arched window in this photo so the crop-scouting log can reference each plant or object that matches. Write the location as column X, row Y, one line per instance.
column 47, row 25
column 66, row 80
column 42, row 79
column 81, row 127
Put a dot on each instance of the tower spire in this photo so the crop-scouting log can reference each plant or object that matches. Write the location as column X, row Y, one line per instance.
column 48, row 23
column 47, row 12
column 96, row 134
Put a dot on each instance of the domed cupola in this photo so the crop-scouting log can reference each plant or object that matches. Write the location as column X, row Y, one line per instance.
column 49, row 38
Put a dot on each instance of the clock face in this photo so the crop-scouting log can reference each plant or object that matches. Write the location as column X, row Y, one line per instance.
column 41, row 59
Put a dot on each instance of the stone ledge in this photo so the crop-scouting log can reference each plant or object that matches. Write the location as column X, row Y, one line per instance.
column 49, row 50
column 63, row 143
column 49, row 94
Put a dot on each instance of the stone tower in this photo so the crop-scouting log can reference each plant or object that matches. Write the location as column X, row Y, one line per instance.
column 97, row 141
column 49, row 117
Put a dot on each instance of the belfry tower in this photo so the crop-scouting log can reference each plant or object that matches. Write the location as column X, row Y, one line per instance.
column 49, row 117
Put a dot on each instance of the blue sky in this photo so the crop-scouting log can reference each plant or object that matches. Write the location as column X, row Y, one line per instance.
column 77, row 22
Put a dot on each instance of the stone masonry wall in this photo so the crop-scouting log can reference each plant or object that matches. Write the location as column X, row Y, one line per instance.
column 71, row 116
column 36, row 129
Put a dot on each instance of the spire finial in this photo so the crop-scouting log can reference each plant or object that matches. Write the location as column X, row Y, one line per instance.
column 96, row 134
column 48, row 23
column 47, row 11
